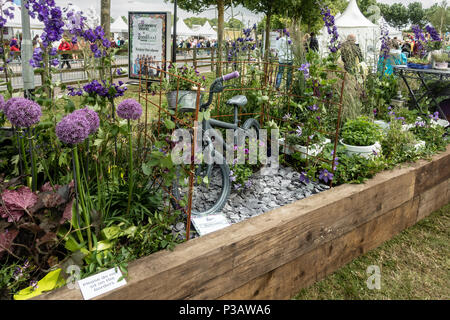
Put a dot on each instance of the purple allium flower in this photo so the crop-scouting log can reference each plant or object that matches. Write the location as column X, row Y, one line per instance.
column 73, row 128
column 91, row 117
column 287, row 116
column 325, row 175
column 298, row 131
column 22, row 112
column 129, row 109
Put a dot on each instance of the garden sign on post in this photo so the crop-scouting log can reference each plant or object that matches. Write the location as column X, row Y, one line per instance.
column 149, row 42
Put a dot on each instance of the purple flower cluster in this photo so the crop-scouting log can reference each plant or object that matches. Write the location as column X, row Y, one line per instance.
column 325, row 176
column 305, row 69
column 242, row 44
column 384, row 42
column 434, row 116
column 433, row 33
column 304, row 177
column 96, row 88
column 91, row 117
column 314, row 107
column 73, row 128
column 74, row 91
column 22, row 112
column 7, row 12
column 420, row 39
column 51, row 15
column 129, row 109
column 328, row 18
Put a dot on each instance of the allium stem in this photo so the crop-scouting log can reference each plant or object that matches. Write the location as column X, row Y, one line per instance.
column 24, row 157
column 76, row 222
column 130, row 168
column 81, row 194
column 33, row 160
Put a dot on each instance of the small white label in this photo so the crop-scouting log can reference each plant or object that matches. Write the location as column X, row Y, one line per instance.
column 101, row 283
column 209, row 223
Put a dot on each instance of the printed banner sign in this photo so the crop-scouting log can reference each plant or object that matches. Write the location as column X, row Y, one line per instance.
column 149, row 43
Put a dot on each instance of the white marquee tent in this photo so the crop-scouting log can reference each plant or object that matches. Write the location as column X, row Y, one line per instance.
column 119, row 26
column 16, row 23
column 393, row 32
column 352, row 21
column 183, row 30
column 207, row 31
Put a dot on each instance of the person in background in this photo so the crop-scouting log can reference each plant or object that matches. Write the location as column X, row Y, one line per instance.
column 313, row 42
column 74, row 47
column 13, row 45
column 285, row 59
column 394, row 57
column 351, row 54
column 36, row 41
column 65, row 46
column 306, row 42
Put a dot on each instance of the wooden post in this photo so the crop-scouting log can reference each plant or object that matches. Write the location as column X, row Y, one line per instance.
column 212, row 59
column 194, row 56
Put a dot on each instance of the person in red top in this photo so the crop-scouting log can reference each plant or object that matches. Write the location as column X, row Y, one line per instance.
column 65, row 46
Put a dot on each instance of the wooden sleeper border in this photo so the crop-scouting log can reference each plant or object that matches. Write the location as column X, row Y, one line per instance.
column 274, row 255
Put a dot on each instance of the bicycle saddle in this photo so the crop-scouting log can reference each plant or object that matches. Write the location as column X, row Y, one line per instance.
column 238, row 101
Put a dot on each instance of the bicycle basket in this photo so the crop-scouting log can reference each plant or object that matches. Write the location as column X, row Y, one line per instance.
column 187, row 100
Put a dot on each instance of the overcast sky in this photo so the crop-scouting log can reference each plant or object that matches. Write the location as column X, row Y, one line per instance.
column 121, row 8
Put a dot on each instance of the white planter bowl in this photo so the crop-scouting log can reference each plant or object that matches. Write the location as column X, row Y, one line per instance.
column 313, row 149
column 383, row 124
column 363, row 151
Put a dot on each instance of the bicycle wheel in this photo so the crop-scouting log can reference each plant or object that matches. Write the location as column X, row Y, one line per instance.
column 211, row 188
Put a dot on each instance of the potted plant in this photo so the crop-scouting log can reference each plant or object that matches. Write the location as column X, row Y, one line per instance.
column 181, row 89
column 418, row 63
column 439, row 61
column 303, row 140
column 360, row 136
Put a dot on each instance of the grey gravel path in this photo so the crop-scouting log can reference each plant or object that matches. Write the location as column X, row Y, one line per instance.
column 266, row 193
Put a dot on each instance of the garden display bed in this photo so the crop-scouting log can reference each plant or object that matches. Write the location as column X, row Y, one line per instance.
column 277, row 253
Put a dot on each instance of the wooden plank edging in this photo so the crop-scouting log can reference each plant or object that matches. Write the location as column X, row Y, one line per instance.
column 260, row 257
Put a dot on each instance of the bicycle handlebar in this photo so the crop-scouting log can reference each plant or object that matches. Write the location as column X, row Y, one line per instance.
column 230, row 76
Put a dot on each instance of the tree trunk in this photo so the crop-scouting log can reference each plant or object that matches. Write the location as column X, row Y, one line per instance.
column 105, row 17
column 220, row 28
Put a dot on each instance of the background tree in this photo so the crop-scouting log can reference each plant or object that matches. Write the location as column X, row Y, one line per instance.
column 105, row 17
column 200, row 6
column 416, row 14
column 439, row 17
column 195, row 21
column 234, row 23
column 397, row 16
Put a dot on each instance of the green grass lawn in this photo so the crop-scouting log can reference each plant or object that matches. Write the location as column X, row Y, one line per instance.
column 414, row 265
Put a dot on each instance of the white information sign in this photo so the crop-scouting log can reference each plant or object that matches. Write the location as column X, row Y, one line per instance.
column 101, row 283
column 209, row 223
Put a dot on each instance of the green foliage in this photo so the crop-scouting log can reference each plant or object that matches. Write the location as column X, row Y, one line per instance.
column 416, row 13
column 397, row 15
column 186, row 77
column 439, row 16
column 379, row 93
column 360, row 132
column 398, row 144
column 356, row 169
